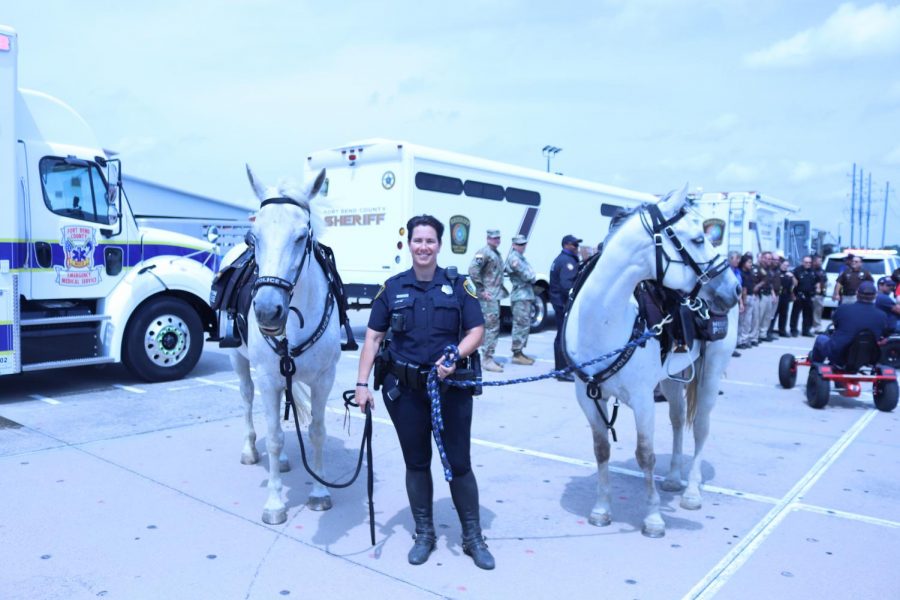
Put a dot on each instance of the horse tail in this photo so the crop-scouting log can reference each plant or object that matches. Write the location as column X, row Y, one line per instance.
column 302, row 402
column 693, row 392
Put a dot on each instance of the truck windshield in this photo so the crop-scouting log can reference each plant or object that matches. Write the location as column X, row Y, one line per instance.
column 74, row 189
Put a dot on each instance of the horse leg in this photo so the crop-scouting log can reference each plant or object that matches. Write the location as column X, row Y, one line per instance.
column 274, row 511
column 674, row 393
column 241, row 366
column 601, row 513
column 644, row 416
column 706, row 399
column 319, row 497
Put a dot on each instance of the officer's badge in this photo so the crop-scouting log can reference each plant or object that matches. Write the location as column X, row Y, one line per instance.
column 470, row 288
column 447, row 289
column 379, row 293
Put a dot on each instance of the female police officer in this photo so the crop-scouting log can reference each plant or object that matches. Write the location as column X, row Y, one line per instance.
column 426, row 309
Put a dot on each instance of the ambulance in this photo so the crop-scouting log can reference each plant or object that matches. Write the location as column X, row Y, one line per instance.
column 374, row 186
column 80, row 283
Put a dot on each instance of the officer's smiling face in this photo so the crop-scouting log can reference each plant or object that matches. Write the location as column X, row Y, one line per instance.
column 424, row 246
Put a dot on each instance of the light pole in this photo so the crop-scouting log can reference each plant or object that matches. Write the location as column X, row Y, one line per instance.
column 549, row 152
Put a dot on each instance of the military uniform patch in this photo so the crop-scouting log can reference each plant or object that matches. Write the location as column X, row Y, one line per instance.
column 470, row 287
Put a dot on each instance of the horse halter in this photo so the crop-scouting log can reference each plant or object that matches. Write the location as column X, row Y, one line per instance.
column 659, row 226
column 274, row 281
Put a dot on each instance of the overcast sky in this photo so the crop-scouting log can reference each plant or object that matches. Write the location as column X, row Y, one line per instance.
column 777, row 97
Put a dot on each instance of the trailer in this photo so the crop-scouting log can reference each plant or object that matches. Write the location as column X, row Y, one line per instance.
column 752, row 222
column 374, row 186
column 80, row 282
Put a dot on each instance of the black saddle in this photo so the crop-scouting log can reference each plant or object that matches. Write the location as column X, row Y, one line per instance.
column 863, row 351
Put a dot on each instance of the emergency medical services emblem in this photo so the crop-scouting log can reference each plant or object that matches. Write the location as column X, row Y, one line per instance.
column 459, row 234
column 715, row 230
column 79, row 243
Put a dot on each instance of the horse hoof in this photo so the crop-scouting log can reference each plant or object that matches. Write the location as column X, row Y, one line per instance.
column 319, row 503
column 274, row 517
column 250, row 459
column 691, row 502
column 600, row 519
column 671, row 485
column 284, row 465
column 655, row 531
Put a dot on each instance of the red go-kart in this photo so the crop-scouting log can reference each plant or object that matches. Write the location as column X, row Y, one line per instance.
column 867, row 361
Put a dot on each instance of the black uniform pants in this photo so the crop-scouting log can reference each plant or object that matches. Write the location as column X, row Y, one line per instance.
column 782, row 312
column 559, row 355
column 410, row 410
column 804, row 305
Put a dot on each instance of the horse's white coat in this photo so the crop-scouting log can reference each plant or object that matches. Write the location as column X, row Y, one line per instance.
column 601, row 319
column 280, row 231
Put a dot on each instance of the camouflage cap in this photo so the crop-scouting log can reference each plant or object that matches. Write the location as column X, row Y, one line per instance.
column 519, row 239
column 493, row 233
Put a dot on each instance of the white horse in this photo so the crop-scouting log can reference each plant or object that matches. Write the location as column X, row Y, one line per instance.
column 603, row 314
column 290, row 282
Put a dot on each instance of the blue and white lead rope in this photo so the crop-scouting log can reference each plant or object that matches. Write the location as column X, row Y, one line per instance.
column 451, row 355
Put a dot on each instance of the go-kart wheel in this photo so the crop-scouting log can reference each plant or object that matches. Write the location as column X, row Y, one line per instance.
column 885, row 394
column 817, row 389
column 787, row 371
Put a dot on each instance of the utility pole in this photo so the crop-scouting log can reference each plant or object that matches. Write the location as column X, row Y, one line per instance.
column 887, row 188
column 852, row 203
column 550, row 152
column 869, row 210
column 859, row 208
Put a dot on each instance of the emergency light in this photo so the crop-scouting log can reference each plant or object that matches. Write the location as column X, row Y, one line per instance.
column 5, row 43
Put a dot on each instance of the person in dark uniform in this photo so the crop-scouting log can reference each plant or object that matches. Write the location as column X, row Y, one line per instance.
column 806, row 290
column 563, row 272
column 426, row 309
column 886, row 303
column 848, row 281
column 849, row 320
column 786, row 284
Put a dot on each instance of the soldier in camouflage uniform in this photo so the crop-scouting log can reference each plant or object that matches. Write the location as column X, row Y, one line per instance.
column 522, row 277
column 486, row 272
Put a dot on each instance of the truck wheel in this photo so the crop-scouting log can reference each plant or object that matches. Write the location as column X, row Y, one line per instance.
column 817, row 389
column 787, row 371
column 885, row 394
column 163, row 340
column 538, row 314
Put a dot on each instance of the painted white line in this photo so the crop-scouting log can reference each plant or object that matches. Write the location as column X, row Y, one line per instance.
column 44, row 399
column 734, row 560
column 804, row 349
column 821, row 510
column 129, row 388
column 750, row 383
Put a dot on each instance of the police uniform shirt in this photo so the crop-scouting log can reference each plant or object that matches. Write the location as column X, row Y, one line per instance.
column 431, row 312
column 850, row 280
column 806, row 280
column 760, row 275
column 563, row 272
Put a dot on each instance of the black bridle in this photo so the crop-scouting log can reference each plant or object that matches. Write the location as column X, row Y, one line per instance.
column 658, row 226
column 280, row 282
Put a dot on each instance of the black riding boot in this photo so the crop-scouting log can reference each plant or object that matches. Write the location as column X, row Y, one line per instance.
column 420, row 490
column 464, row 491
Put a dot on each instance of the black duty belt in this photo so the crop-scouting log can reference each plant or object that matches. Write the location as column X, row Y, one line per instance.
column 409, row 375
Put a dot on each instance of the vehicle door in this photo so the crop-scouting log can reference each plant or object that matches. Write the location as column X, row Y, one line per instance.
column 77, row 245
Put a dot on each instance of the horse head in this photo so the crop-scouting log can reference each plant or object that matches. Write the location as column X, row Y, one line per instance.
column 688, row 258
column 281, row 236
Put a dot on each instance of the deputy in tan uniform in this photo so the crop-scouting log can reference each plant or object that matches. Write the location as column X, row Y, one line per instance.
column 522, row 278
column 486, row 272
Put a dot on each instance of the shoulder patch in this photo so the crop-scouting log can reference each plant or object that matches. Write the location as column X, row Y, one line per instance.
column 380, row 291
column 470, row 288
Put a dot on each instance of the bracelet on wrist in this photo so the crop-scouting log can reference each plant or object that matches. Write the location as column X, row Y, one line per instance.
column 362, row 384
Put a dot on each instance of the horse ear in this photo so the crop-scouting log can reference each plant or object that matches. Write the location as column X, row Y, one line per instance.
column 674, row 201
column 258, row 188
column 313, row 188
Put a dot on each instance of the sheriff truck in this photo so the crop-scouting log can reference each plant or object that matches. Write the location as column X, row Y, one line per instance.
column 80, row 282
column 374, row 186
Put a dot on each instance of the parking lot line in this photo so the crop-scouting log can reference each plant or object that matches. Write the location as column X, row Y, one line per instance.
column 129, row 388
column 44, row 399
column 740, row 554
column 821, row 510
column 748, row 383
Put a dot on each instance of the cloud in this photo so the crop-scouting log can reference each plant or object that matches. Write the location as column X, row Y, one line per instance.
column 737, row 173
column 849, row 33
column 683, row 163
column 803, row 170
column 893, row 157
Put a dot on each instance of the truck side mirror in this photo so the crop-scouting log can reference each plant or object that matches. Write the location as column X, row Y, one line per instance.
column 112, row 214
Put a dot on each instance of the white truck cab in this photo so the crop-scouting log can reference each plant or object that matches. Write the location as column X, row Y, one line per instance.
column 80, row 282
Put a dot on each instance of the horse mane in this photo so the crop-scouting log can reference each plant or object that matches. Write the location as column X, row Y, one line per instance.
column 619, row 218
column 290, row 188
